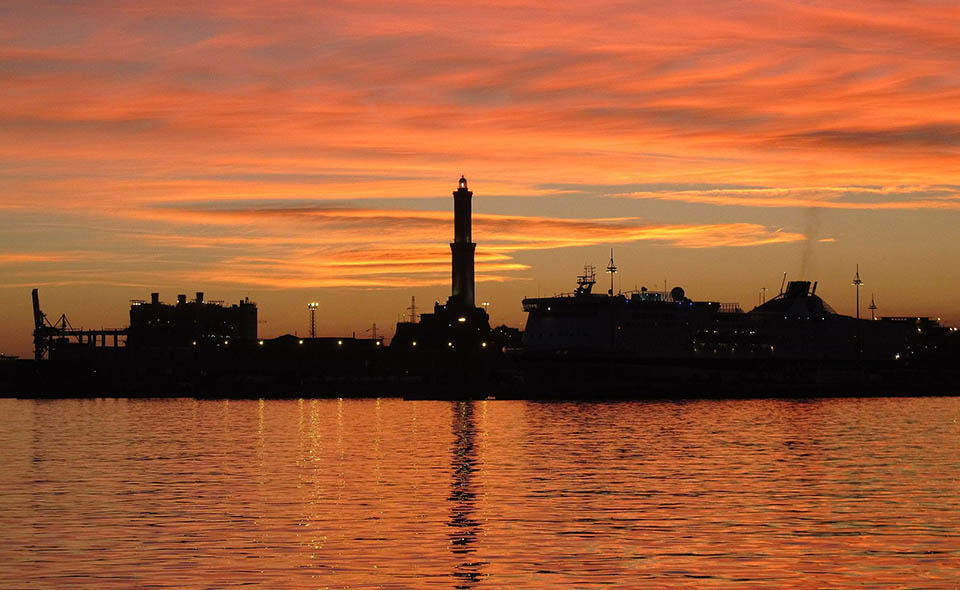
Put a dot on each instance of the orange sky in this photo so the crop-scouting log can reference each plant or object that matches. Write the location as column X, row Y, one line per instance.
column 294, row 151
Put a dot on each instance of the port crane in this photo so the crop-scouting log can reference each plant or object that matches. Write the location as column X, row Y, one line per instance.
column 47, row 335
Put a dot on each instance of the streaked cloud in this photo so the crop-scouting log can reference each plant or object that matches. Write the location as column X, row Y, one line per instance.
column 337, row 247
column 854, row 198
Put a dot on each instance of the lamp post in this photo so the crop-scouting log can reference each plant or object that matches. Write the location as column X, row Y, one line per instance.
column 312, row 306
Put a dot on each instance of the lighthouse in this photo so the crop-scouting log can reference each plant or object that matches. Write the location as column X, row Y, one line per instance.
column 457, row 326
column 462, row 249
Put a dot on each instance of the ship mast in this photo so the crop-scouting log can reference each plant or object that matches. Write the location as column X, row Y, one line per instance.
column 612, row 270
column 857, row 283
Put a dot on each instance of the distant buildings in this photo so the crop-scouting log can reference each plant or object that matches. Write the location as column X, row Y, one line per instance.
column 190, row 323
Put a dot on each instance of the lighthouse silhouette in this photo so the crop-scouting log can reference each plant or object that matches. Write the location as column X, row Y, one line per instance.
column 457, row 326
column 462, row 249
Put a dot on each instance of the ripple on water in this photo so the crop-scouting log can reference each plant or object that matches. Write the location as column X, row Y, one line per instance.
column 393, row 494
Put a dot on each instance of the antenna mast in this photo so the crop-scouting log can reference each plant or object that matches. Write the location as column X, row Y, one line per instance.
column 872, row 308
column 612, row 270
column 413, row 309
column 857, row 283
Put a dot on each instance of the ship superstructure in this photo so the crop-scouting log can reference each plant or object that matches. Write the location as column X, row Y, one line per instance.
column 655, row 324
column 658, row 325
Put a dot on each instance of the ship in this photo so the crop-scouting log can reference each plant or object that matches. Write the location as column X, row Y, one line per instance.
column 643, row 341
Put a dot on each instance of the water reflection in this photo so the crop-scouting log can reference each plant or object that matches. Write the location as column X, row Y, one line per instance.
column 463, row 496
column 367, row 494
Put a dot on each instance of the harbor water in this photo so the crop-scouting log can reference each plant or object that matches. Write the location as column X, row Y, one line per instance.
column 386, row 493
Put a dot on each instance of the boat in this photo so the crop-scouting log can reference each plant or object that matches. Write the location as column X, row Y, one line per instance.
column 644, row 338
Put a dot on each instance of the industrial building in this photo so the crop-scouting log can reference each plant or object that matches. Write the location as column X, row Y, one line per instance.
column 154, row 325
column 190, row 323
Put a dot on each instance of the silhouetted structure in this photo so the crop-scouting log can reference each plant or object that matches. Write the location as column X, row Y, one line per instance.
column 60, row 339
column 462, row 248
column 459, row 324
column 796, row 325
column 635, row 344
column 664, row 340
column 190, row 323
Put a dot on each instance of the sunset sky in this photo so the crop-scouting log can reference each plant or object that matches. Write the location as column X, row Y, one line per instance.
column 296, row 151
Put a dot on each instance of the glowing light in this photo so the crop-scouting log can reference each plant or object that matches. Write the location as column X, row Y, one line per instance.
column 261, row 343
column 301, row 342
column 483, row 344
column 414, row 343
column 339, row 342
column 461, row 320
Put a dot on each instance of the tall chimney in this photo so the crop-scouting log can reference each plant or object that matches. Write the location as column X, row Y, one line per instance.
column 462, row 248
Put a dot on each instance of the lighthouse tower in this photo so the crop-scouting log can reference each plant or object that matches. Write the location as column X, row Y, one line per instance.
column 462, row 249
column 458, row 325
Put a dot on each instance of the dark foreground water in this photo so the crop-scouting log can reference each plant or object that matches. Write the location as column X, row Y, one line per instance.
column 845, row 493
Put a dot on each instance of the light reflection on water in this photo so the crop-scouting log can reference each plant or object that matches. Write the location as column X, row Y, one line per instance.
column 501, row 494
